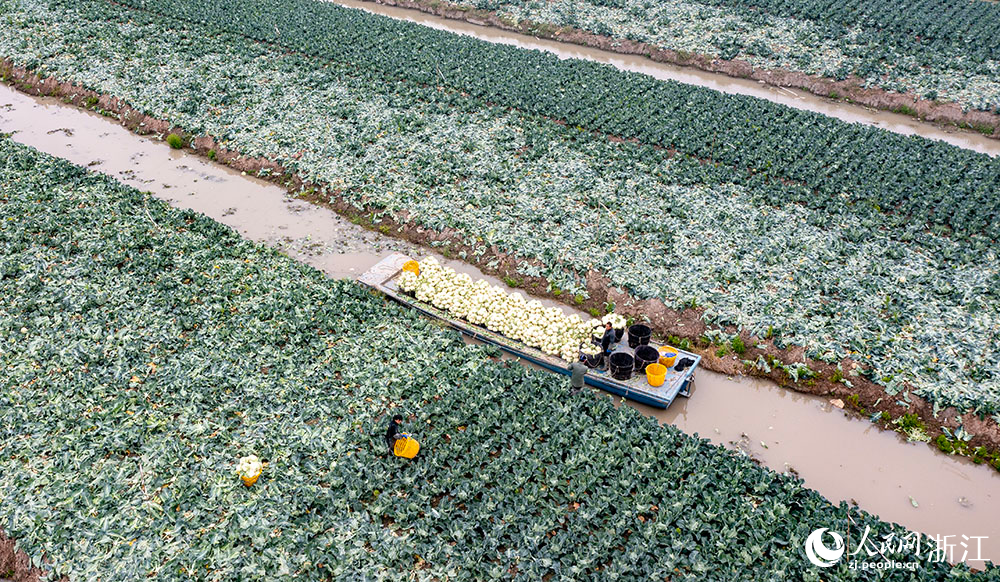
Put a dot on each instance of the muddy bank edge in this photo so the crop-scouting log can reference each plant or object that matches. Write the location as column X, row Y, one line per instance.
column 15, row 564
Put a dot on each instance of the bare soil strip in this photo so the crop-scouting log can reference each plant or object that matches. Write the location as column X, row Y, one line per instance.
column 15, row 565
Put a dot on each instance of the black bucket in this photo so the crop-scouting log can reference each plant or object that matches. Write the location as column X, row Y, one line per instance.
column 644, row 356
column 638, row 335
column 591, row 361
column 621, row 365
column 618, row 334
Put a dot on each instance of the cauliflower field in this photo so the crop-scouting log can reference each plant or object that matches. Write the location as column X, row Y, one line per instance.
column 147, row 351
column 937, row 50
column 786, row 230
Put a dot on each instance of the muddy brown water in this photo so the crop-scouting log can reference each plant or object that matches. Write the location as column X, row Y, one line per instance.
column 796, row 98
column 259, row 210
column 843, row 458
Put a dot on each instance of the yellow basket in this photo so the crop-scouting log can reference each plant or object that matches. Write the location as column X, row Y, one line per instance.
column 248, row 481
column 406, row 447
column 668, row 356
column 412, row 266
column 656, row 374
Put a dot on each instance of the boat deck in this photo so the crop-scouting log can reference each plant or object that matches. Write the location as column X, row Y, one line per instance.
column 381, row 277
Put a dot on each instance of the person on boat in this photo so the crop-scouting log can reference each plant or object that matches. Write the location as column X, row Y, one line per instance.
column 577, row 372
column 607, row 341
column 392, row 434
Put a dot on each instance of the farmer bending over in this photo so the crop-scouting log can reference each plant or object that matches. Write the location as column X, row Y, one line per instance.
column 392, row 433
column 576, row 381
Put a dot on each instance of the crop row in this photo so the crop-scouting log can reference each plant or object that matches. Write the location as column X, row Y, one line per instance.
column 841, row 280
column 929, row 182
column 936, row 23
column 148, row 349
column 936, row 49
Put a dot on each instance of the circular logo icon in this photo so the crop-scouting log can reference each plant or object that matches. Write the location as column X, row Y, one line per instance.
column 818, row 553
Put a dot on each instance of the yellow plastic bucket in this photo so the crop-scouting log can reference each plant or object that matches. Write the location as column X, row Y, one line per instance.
column 406, row 447
column 249, row 481
column 412, row 266
column 655, row 374
column 668, row 356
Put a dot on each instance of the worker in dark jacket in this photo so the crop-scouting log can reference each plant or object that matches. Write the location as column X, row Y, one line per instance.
column 392, row 433
column 607, row 341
